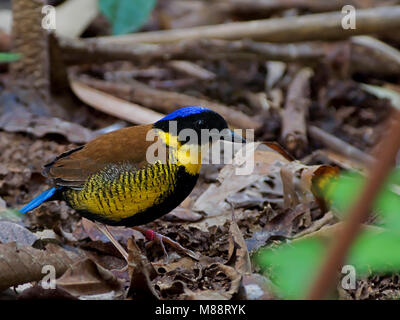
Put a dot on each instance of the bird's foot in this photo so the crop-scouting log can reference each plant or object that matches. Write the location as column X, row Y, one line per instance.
column 154, row 236
column 151, row 235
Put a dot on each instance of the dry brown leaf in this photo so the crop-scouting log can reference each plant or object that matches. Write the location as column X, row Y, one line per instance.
column 301, row 182
column 339, row 160
column 38, row 292
column 21, row 264
column 326, row 219
column 114, row 106
column 327, row 233
column 183, row 214
column 171, row 287
column 141, row 273
column 280, row 226
column 204, row 295
column 212, row 201
column 184, row 263
column 238, row 255
column 222, row 290
column 86, row 277
column 39, row 126
column 235, row 280
column 290, row 195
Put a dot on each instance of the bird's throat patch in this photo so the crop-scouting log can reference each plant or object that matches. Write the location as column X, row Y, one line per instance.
column 185, row 155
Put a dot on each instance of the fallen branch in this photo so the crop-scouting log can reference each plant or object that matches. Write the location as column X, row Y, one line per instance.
column 192, row 69
column 359, row 212
column 294, row 132
column 257, row 6
column 369, row 55
column 335, row 144
column 287, row 29
column 77, row 51
column 317, row 225
column 166, row 101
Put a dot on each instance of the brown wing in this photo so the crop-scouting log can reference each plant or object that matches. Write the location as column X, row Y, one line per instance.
column 75, row 166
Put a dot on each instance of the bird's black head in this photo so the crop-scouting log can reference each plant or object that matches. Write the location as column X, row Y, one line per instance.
column 194, row 121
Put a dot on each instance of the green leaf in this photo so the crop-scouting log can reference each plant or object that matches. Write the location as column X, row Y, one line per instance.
column 388, row 205
column 292, row 267
column 376, row 252
column 6, row 57
column 126, row 15
column 347, row 188
column 345, row 191
column 395, row 177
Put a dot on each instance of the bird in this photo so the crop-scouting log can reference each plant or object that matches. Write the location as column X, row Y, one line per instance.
column 114, row 180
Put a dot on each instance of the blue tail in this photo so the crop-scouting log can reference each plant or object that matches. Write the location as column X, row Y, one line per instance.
column 39, row 200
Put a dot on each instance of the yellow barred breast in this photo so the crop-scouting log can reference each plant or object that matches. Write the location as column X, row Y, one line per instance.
column 120, row 192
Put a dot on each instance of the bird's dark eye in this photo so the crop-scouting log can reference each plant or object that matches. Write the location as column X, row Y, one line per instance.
column 200, row 124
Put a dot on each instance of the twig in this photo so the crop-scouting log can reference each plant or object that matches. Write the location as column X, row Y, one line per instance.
column 294, row 134
column 328, row 217
column 378, row 172
column 337, row 145
column 257, row 6
column 288, row 29
column 370, row 55
column 78, row 51
column 166, row 101
column 192, row 69
column 114, row 106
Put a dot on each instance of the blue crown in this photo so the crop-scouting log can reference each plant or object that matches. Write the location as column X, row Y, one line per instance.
column 184, row 112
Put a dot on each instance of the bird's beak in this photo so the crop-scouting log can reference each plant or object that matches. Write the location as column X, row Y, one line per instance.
column 228, row 135
column 234, row 137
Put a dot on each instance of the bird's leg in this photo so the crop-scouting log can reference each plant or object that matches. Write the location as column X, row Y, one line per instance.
column 103, row 228
column 151, row 235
